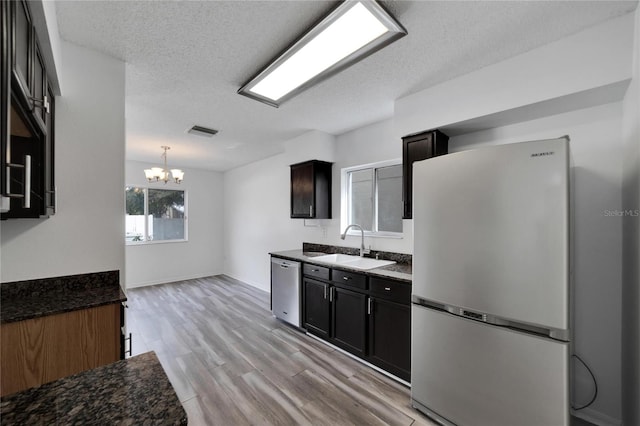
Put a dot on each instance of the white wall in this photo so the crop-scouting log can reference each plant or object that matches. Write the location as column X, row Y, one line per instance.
column 264, row 187
column 631, row 244
column 86, row 233
column 202, row 254
column 596, row 57
column 256, row 209
column 369, row 144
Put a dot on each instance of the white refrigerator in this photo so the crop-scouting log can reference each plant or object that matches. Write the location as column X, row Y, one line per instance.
column 491, row 285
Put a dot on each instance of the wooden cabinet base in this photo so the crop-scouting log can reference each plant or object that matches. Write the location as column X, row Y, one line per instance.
column 40, row 350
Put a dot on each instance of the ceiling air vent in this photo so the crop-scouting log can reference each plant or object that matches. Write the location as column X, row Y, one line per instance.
column 202, row 131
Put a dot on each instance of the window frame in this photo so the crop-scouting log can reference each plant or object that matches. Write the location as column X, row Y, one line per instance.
column 145, row 240
column 345, row 202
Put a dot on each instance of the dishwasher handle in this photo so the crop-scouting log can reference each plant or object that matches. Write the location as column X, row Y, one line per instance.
column 284, row 264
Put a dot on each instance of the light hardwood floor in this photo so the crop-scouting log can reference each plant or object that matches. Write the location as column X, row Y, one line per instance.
column 232, row 363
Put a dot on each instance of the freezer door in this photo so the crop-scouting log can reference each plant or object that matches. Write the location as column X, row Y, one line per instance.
column 471, row 373
column 491, row 231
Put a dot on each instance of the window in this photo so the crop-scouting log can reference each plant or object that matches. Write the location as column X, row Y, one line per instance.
column 155, row 215
column 372, row 198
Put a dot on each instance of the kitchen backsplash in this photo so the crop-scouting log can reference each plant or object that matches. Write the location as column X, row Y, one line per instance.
column 385, row 255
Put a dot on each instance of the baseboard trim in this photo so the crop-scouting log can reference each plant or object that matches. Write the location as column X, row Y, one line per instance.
column 596, row 417
column 171, row 280
column 245, row 281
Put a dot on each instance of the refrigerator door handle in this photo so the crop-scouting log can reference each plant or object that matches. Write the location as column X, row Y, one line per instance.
column 553, row 333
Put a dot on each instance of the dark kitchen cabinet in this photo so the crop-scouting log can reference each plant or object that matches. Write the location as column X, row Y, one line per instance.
column 368, row 316
column 5, row 99
column 389, row 331
column 311, row 190
column 416, row 147
column 317, row 308
column 27, row 183
column 336, row 311
column 349, row 320
column 390, row 337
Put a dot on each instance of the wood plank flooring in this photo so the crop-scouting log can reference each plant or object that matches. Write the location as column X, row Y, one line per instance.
column 232, row 363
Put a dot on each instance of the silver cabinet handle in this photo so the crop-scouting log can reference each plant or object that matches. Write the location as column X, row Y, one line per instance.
column 282, row 265
column 130, row 339
column 27, row 182
column 331, row 294
column 315, row 270
column 346, row 278
column 310, row 210
column 369, row 304
column 7, row 189
column 387, row 288
column 325, row 292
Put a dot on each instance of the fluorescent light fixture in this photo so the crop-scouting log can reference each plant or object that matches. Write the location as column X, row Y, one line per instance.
column 354, row 30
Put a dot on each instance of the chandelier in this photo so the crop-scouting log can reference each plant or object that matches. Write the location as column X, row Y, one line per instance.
column 156, row 174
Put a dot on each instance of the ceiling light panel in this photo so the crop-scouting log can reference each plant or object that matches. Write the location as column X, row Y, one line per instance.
column 354, row 30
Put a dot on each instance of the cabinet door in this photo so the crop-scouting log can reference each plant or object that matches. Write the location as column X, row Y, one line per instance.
column 22, row 48
column 27, row 148
column 5, row 72
column 317, row 308
column 39, row 89
column 390, row 337
column 49, row 157
column 302, row 191
column 26, row 158
column 415, row 148
column 311, row 190
column 349, row 320
column 43, row 349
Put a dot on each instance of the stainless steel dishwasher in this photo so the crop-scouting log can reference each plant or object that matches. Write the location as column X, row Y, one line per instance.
column 285, row 290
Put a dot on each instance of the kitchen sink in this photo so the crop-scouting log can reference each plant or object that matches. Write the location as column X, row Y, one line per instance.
column 336, row 258
column 355, row 262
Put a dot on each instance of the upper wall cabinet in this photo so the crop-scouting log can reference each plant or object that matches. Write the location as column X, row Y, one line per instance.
column 27, row 114
column 416, row 147
column 311, row 190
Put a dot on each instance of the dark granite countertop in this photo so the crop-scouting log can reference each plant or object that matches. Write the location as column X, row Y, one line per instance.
column 134, row 391
column 398, row 271
column 23, row 300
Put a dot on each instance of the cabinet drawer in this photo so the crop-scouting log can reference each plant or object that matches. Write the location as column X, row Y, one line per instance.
column 391, row 290
column 316, row 271
column 352, row 279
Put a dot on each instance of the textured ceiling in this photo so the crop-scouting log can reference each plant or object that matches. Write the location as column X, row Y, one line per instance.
column 186, row 60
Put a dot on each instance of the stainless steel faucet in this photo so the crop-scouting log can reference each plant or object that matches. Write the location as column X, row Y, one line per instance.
column 363, row 250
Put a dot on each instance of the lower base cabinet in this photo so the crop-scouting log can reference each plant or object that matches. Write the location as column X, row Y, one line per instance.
column 390, row 337
column 317, row 308
column 40, row 350
column 370, row 319
column 349, row 320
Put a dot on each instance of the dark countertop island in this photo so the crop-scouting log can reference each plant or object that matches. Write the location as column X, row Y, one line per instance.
column 135, row 391
column 23, row 300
